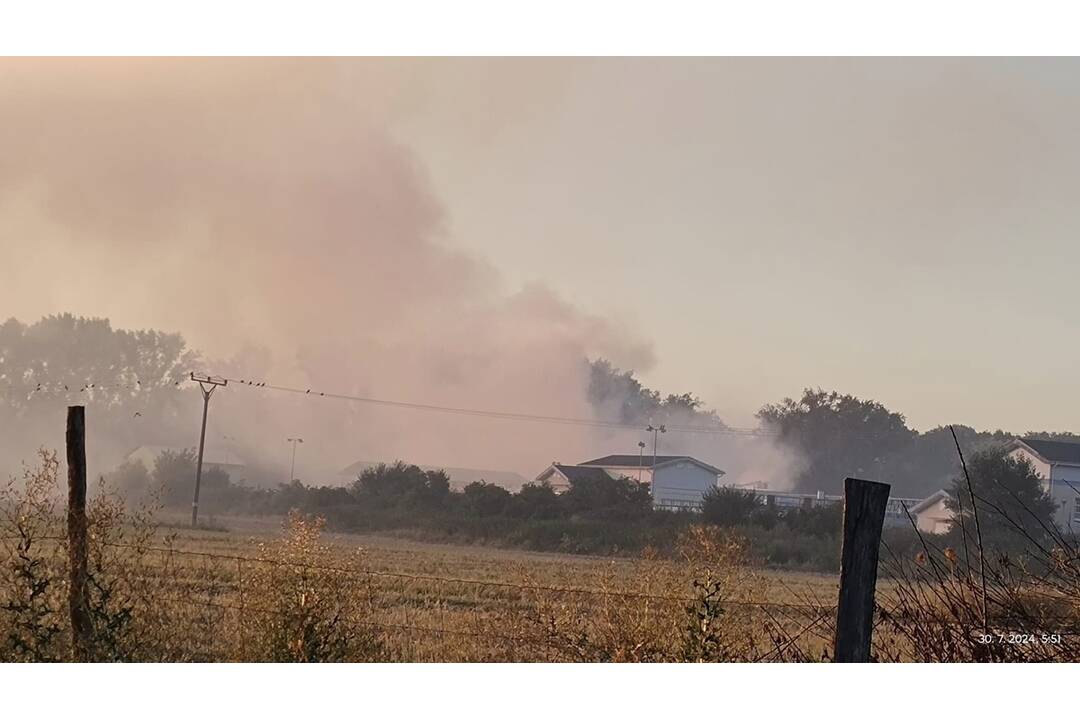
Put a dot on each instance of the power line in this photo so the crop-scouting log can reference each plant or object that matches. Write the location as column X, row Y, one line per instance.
column 501, row 415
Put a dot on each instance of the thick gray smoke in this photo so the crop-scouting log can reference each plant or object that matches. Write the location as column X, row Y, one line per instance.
column 264, row 210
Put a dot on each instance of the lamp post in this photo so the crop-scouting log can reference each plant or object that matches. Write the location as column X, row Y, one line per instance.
column 640, row 456
column 292, row 469
column 656, row 431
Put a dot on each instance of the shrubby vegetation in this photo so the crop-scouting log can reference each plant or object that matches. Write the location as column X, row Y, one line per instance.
column 602, row 515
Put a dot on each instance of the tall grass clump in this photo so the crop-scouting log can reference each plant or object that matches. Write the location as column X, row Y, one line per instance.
column 301, row 603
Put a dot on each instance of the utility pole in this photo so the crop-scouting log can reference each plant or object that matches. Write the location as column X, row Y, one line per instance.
column 208, row 384
column 640, row 457
column 292, row 470
column 655, row 443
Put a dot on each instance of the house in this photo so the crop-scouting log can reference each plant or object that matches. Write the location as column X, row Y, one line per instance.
column 1058, row 464
column 559, row 476
column 676, row 481
column 226, row 461
column 459, row 477
column 932, row 515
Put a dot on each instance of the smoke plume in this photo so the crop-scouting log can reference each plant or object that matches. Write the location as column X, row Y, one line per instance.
column 264, row 210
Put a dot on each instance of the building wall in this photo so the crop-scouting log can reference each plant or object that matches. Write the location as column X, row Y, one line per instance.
column 1041, row 468
column 1065, row 491
column 681, row 484
column 677, row 485
column 934, row 519
column 1059, row 482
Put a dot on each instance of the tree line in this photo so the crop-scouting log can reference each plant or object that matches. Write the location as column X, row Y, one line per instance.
column 138, row 393
column 599, row 514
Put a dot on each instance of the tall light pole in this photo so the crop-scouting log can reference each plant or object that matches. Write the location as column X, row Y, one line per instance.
column 292, row 470
column 208, row 385
column 640, row 456
column 655, row 443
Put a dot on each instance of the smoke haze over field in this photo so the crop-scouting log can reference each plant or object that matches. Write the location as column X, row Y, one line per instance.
column 264, row 210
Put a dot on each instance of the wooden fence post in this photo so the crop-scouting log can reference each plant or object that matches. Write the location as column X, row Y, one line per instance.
column 864, row 516
column 76, row 531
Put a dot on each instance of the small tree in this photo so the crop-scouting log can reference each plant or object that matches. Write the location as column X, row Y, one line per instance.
column 535, row 500
column 728, row 506
column 601, row 492
column 483, row 498
column 402, row 485
column 132, row 480
column 174, row 475
column 1014, row 509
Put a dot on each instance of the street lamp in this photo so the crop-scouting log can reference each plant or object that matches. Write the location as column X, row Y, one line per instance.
column 655, row 442
column 640, row 455
column 292, row 470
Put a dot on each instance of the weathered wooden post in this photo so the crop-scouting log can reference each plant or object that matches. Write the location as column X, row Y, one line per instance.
column 76, row 531
column 864, row 516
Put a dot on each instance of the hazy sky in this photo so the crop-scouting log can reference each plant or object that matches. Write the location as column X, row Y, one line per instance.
column 899, row 229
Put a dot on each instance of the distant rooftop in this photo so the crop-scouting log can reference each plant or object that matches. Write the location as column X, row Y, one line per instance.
column 1056, row 451
column 577, row 473
column 646, row 460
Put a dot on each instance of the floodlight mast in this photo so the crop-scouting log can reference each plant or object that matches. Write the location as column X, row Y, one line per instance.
column 208, row 384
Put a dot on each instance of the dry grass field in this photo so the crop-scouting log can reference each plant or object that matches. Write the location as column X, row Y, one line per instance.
column 282, row 590
column 400, row 600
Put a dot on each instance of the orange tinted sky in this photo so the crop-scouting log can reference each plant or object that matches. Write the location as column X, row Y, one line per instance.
column 899, row 229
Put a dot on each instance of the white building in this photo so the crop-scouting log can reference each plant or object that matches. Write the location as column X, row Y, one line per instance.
column 932, row 515
column 677, row 481
column 1058, row 464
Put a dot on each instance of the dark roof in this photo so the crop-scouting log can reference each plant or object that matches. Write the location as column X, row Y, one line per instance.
column 631, row 461
column 1055, row 451
column 579, row 472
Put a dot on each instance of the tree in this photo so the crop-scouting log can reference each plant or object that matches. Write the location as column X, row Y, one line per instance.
column 64, row 359
column 839, row 435
column 618, row 395
column 402, row 485
column 727, row 506
column 174, row 480
column 535, row 500
column 132, row 480
column 1014, row 508
column 600, row 491
column 482, row 498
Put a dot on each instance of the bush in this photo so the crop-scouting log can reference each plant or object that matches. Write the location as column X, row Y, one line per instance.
column 484, row 499
column 728, row 506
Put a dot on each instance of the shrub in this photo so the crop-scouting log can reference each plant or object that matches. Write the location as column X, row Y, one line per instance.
column 728, row 506
column 301, row 605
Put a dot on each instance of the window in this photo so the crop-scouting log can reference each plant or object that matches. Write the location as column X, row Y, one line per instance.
column 1076, row 512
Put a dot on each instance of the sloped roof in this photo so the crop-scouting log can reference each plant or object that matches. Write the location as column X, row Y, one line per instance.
column 631, row 461
column 928, row 502
column 577, row 473
column 1055, row 451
